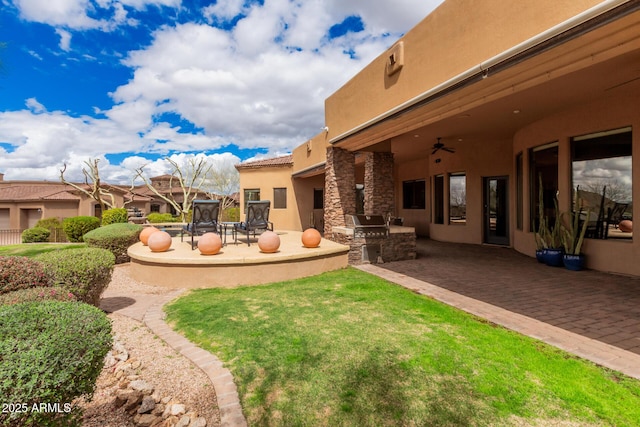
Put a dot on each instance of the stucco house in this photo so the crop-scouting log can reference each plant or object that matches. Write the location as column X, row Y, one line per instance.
column 454, row 126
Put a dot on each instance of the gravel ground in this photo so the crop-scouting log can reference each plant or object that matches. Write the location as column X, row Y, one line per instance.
column 171, row 374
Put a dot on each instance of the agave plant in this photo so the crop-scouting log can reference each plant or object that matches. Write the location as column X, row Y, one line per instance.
column 574, row 232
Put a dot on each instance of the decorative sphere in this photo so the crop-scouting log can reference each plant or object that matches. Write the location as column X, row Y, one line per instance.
column 145, row 233
column 311, row 238
column 626, row 226
column 269, row 242
column 159, row 241
column 209, row 244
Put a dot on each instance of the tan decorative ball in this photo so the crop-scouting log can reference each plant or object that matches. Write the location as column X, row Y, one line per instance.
column 269, row 242
column 626, row 226
column 311, row 238
column 159, row 241
column 209, row 244
column 145, row 233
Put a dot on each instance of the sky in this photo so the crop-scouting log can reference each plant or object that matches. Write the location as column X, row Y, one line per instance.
column 132, row 82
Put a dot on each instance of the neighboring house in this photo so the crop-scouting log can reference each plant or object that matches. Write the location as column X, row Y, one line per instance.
column 453, row 127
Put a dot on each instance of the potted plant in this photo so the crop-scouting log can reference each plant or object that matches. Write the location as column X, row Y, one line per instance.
column 549, row 235
column 573, row 237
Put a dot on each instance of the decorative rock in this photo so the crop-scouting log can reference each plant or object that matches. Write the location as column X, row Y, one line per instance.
column 311, row 238
column 198, row 422
column 170, row 422
column 209, row 244
column 626, row 226
column 146, row 420
column 147, row 405
column 145, row 233
column 184, row 421
column 269, row 242
column 121, row 397
column 159, row 241
column 133, row 401
column 177, row 409
column 142, row 386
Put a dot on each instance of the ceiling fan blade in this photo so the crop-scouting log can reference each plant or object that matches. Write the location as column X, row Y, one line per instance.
column 450, row 150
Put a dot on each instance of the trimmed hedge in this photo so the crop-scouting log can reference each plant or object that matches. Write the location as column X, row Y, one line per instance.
column 52, row 353
column 39, row 293
column 115, row 238
column 77, row 226
column 36, row 235
column 156, row 218
column 85, row 272
column 114, row 216
column 18, row 272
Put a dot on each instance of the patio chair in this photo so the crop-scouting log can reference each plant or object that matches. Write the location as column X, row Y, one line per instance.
column 204, row 219
column 257, row 219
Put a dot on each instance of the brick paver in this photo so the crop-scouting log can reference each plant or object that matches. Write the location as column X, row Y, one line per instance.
column 593, row 314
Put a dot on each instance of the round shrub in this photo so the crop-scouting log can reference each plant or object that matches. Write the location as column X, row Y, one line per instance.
column 35, row 235
column 17, row 272
column 77, row 226
column 114, row 216
column 156, row 218
column 115, row 238
column 54, row 225
column 85, row 272
column 39, row 293
column 52, row 353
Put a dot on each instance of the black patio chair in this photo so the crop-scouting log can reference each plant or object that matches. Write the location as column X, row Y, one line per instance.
column 257, row 219
column 204, row 219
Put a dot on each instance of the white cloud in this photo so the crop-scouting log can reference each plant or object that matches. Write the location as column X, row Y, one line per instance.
column 260, row 85
column 65, row 39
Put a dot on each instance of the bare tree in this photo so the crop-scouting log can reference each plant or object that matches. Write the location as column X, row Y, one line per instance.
column 187, row 179
column 94, row 187
column 222, row 181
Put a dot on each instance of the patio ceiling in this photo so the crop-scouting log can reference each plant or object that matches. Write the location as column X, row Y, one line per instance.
column 603, row 62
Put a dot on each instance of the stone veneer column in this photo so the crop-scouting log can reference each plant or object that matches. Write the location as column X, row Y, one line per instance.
column 339, row 188
column 379, row 191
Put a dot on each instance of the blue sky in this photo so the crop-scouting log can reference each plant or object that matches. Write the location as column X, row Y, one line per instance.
column 131, row 82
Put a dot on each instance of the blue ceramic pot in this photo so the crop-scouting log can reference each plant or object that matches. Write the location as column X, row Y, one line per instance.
column 573, row 262
column 540, row 253
column 553, row 257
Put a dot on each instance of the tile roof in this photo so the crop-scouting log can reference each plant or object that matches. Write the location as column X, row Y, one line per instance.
column 37, row 192
column 275, row 161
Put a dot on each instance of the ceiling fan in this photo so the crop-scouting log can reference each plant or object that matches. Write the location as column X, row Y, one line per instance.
column 440, row 146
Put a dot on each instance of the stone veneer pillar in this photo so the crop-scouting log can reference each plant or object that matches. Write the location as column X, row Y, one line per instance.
column 339, row 188
column 379, row 191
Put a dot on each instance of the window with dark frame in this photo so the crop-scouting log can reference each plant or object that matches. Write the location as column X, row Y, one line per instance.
column 543, row 169
column 250, row 194
column 414, row 194
column 318, row 198
column 458, row 198
column 279, row 198
column 519, row 191
column 438, row 199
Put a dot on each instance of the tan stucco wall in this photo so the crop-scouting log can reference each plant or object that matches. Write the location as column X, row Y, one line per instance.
column 453, row 39
column 266, row 179
column 310, row 153
column 605, row 114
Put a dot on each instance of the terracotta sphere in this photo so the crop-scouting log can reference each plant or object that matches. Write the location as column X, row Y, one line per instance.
column 209, row 244
column 311, row 238
column 159, row 241
column 626, row 226
column 269, row 242
column 145, row 233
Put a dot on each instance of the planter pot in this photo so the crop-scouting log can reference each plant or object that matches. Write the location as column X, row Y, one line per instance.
column 540, row 254
column 553, row 257
column 311, row 238
column 209, row 244
column 160, row 241
column 573, row 262
column 269, row 242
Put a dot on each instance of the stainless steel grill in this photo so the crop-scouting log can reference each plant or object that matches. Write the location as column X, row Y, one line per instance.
column 367, row 225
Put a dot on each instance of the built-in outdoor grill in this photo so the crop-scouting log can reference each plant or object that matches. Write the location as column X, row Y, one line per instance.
column 367, row 225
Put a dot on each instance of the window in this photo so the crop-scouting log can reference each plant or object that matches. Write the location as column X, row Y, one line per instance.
column 458, row 198
column 519, row 191
column 250, row 195
column 414, row 194
column 279, row 198
column 544, row 168
column 318, row 198
column 601, row 171
column 155, row 208
column 438, row 199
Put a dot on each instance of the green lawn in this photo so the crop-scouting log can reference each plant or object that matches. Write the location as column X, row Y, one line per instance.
column 33, row 249
column 349, row 349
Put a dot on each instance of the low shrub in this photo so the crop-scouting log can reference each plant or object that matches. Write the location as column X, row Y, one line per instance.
column 52, row 353
column 39, row 293
column 156, row 218
column 114, row 216
column 85, row 272
column 77, row 226
column 17, row 272
column 231, row 214
column 36, row 235
column 115, row 238
column 54, row 225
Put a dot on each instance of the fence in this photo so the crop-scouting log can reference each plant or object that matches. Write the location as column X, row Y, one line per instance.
column 14, row 236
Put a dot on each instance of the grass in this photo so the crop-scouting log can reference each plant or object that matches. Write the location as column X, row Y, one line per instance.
column 349, row 349
column 33, row 249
